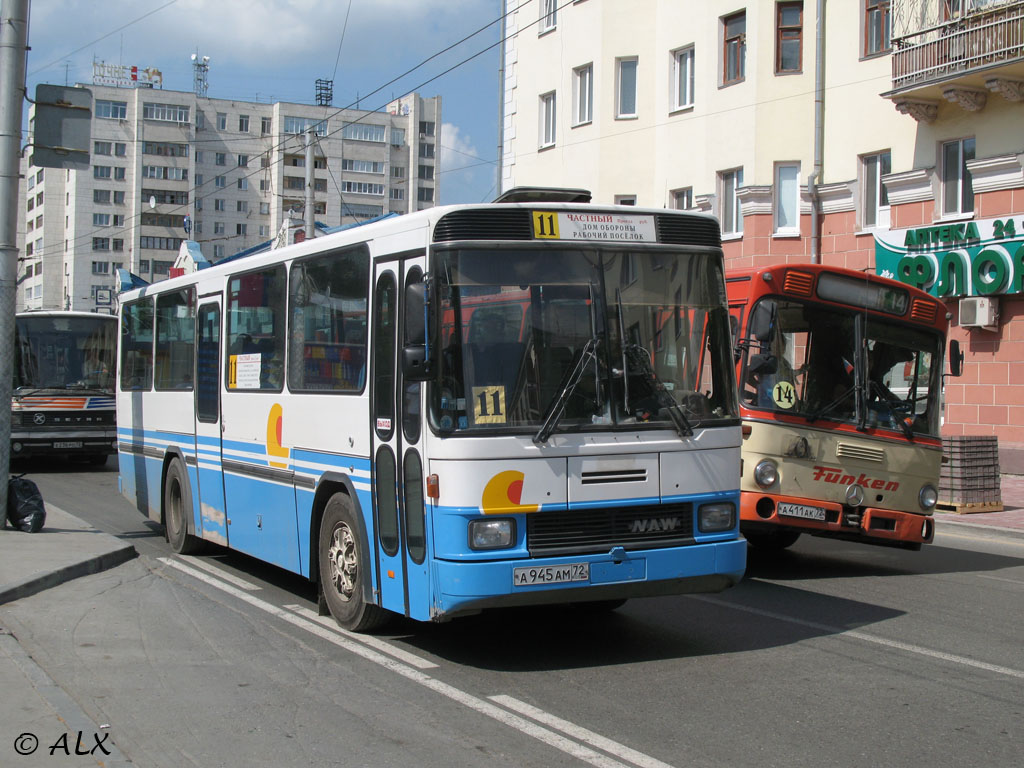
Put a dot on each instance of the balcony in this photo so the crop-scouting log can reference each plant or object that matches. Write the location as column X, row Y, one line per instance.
column 961, row 60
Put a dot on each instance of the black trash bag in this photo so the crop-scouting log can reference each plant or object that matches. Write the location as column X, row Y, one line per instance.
column 25, row 510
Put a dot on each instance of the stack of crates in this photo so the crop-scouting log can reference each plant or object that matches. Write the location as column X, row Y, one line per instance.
column 969, row 481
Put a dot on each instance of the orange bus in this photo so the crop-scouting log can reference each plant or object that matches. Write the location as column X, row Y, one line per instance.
column 840, row 376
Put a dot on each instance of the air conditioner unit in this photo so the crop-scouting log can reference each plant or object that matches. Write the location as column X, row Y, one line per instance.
column 979, row 312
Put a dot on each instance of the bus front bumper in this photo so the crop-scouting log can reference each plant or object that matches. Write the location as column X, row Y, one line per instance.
column 468, row 587
column 871, row 525
column 72, row 442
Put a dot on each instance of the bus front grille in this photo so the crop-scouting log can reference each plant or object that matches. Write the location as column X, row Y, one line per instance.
column 598, row 530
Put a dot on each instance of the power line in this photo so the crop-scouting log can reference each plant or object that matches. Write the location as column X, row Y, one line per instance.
column 344, row 26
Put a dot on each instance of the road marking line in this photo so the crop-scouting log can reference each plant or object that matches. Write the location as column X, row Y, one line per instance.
column 242, row 583
column 582, row 734
column 475, row 703
column 867, row 638
column 374, row 642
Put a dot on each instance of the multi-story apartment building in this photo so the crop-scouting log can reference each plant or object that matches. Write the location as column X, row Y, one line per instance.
column 879, row 135
column 168, row 165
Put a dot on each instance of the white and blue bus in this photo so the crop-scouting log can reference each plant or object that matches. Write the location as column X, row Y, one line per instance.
column 462, row 408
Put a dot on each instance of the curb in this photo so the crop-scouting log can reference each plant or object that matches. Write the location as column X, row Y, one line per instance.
column 36, row 584
column 996, row 530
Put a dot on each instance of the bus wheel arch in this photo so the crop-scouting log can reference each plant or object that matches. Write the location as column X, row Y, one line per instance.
column 176, row 507
column 344, row 566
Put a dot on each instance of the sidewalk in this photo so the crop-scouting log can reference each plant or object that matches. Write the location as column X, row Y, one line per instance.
column 34, row 708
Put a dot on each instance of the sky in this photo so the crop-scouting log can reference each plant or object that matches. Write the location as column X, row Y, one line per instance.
column 276, row 50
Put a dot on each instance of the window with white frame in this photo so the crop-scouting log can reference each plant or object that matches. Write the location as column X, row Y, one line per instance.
column 682, row 78
column 220, row 182
column 168, row 113
column 682, row 198
column 241, row 229
column 787, row 198
column 957, row 186
column 222, row 121
column 625, row 87
column 243, row 123
column 547, row 120
column 112, row 110
column 266, row 125
column 729, row 212
column 218, row 227
column 875, row 199
column 242, row 206
column 218, row 204
column 243, row 183
column 98, row 148
column 101, row 267
column 264, row 230
column 218, row 252
column 101, row 219
column 583, row 95
column 548, row 16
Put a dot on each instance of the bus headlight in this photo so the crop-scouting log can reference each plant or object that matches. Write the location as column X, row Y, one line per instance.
column 928, row 497
column 766, row 473
column 492, row 534
column 714, row 518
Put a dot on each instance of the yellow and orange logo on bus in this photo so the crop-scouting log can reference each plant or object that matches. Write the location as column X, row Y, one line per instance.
column 275, row 420
column 503, row 494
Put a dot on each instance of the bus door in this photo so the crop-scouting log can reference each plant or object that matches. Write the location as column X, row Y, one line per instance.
column 208, row 424
column 402, row 582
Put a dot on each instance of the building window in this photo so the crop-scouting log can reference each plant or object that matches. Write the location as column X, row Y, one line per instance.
column 168, row 113
column 243, row 184
column 98, row 148
column 426, row 172
column 119, row 197
column 264, row 230
column 220, row 158
column 101, row 171
column 220, row 182
column 101, row 243
column 360, row 188
column 398, row 172
column 240, row 229
column 265, row 209
column 682, row 78
column 625, row 199
column 222, row 121
column 218, row 227
column 121, row 149
column 548, row 15
column 363, row 166
column 243, row 161
column 876, row 198
column 729, row 183
column 397, row 193
column 101, row 219
column 398, row 137
column 957, row 187
column 583, row 95
column 243, row 123
column 101, row 196
column 362, row 132
column 682, row 199
column 547, row 120
column 266, row 125
column 218, row 204
column 789, row 20
column 734, row 47
column 119, row 174
column 218, row 252
column 425, row 194
column 241, row 206
column 101, row 267
column 118, row 219
column 426, row 149
column 118, row 245
column 427, row 127
column 877, row 26
column 787, row 198
column 144, row 266
column 625, row 87
column 112, row 110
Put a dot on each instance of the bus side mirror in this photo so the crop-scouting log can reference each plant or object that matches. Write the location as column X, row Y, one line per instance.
column 956, row 358
column 761, row 321
column 416, row 362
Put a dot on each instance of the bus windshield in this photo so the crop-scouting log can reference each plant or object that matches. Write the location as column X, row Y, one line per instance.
column 64, row 353
column 542, row 340
column 820, row 362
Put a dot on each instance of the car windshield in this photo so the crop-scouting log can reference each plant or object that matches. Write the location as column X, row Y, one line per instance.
column 532, row 340
column 819, row 362
column 64, row 352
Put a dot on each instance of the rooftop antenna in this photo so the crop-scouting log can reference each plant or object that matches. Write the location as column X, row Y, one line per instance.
column 324, row 93
column 201, row 72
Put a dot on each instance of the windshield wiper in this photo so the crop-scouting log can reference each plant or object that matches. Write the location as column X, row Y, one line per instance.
column 892, row 403
column 556, row 409
column 826, row 408
column 664, row 398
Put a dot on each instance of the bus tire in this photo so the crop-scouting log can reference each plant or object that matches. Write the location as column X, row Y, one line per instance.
column 177, row 503
column 344, row 568
column 772, row 541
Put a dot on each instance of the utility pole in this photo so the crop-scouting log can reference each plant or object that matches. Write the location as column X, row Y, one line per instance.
column 310, row 215
column 13, row 45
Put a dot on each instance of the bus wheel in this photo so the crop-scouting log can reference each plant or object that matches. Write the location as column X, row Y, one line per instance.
column 343, row 568
column 772, row 540
column 176, row 507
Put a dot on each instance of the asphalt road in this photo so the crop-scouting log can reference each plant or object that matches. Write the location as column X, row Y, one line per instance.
column 828, row 654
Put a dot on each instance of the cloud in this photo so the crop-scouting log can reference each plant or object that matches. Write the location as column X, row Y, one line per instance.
column 465, row 172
